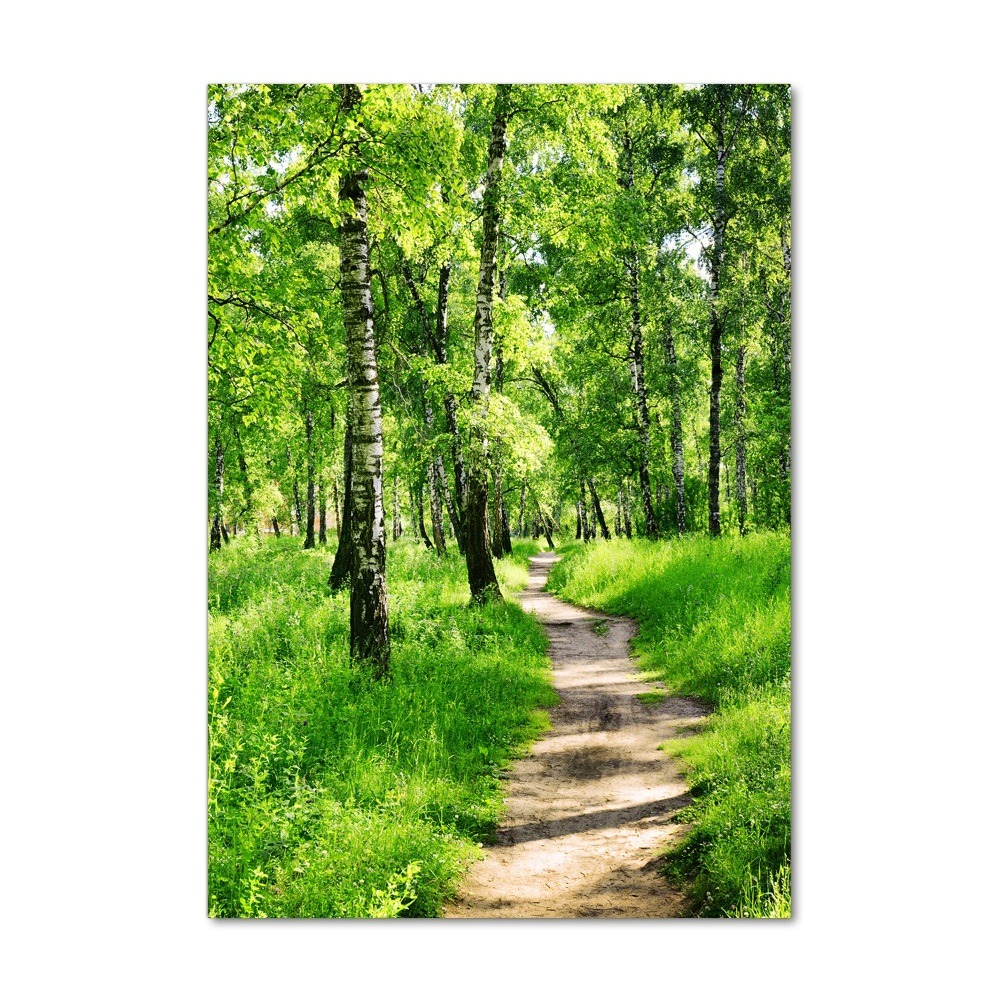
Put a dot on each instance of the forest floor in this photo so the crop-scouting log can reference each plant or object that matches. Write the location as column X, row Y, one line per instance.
column 590, row 810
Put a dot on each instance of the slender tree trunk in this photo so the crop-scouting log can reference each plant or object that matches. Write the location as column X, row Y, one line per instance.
column 715, row 333
column 676, row 432
column 220, row 466
column 310, row 541
column 520, row 515
column 579, row 521
column 225, row 533
column 741, row 441
column 437, row 514
column 545, row 523
column 341, row 570
column 598, row 512
column 450, row 406
column 276, row 526
column 397, row 522
column 501, row 525
column 336, row 508
column 321, row 486
column 483, row 584
column 247, row 490
column 618, row 516
column 369, row 597
column 413, row 516
column 419, row 493
column 454, row 518
column 637, row 364
column 628, row 509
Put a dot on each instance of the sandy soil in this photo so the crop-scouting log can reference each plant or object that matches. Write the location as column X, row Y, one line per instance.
column 589, row 810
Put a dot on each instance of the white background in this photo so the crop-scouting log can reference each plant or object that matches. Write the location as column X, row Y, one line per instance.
column 895, row 356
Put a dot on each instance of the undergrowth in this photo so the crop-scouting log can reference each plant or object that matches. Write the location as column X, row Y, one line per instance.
column 714, row 622
column 331, row 795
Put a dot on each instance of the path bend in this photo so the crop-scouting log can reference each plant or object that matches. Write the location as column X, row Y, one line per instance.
column 590, row 809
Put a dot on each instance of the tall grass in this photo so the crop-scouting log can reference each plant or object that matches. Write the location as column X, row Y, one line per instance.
column 715, row 622
column 330, row 795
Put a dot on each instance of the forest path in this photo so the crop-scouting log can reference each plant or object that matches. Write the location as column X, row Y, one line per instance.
column 589, row 810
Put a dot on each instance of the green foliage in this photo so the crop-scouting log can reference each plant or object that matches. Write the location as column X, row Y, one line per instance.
column 329, row 796
column 715, row 622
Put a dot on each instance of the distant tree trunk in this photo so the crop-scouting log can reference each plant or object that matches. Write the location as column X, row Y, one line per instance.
column 676, row 432
column 419, row 493
column 579, row 521
column 450, row 407
column 413, row 515
column 225, row 533
column 636, row 359
column 638, row 367
column 310, row 541
column 454, row 517
column 520, row 516
column 277, row 528
column 322, row 509
column 697, row 448
column 588, row 531
column 716, row 322
column 341, row 569
column 437, row 514
column 500, row 528
column 545, row 523
column 598, row 512
column 397, row 522
column 483, row 584
column 336, row 508
column 618, row 516
column 369, row 596
column 741, row 441
column 628, row 509
column 220, row 466
column 247, row 490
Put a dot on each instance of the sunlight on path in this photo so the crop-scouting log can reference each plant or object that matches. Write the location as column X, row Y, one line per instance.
column 589, row 810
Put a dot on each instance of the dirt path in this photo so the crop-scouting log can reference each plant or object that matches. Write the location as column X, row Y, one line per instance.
column 589, row 810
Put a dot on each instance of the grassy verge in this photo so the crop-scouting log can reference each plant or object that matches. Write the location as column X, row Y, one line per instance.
column 715, row 622
column 330, row 795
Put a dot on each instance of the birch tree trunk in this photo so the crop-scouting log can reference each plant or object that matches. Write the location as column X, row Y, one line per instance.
column 397, row 524
column 369, row 597
column 598, row 512
column 638, row 367
column 437, row 525
column 500, row 531
column 676, row 431
column 220, row 466
column 741, row 441
column 340, row 572
column 419, row 493
column 437, row 521
column 450, row 408
column 483, row 584
column 310, row 541
column 321, row 486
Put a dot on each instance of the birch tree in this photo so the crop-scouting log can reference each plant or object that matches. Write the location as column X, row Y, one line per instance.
column 369, row 597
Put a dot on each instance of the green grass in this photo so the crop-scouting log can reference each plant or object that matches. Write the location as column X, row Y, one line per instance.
column 715, row 622
column 330, row 795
